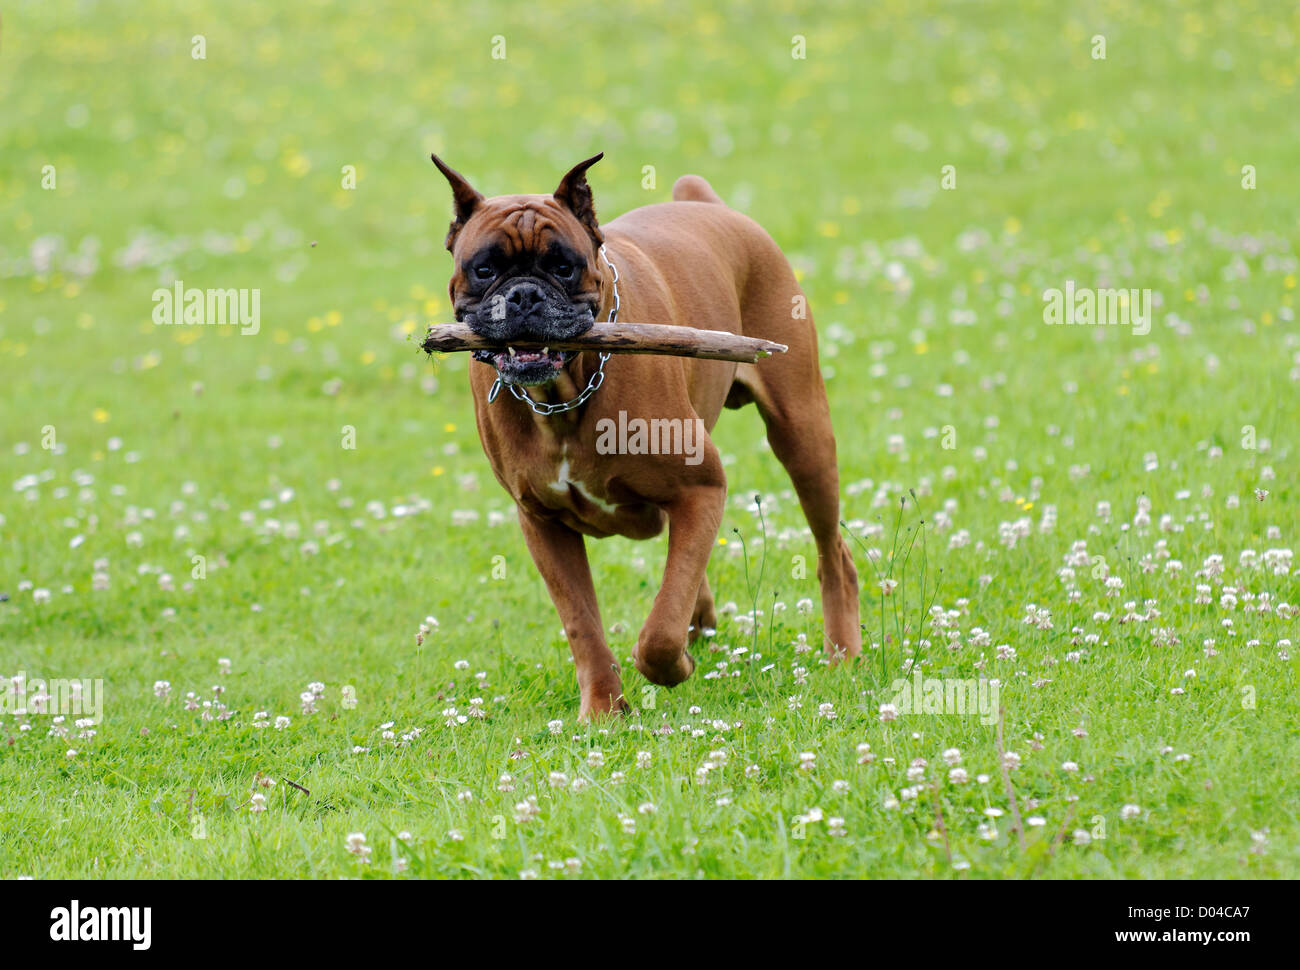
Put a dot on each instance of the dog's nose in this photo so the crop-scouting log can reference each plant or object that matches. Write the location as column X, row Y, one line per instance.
column 523, row 297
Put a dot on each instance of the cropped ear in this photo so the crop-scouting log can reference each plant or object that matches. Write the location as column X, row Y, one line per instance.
column 465, row 195
column 575, row 195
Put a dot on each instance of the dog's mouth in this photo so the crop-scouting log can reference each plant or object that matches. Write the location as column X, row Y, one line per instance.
column 526, row 367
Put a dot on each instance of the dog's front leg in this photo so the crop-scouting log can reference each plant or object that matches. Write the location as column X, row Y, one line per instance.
column 561, row 558
column 693, row 521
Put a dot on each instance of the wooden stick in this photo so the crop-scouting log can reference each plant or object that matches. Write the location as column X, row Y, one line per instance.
column 618, row 338
column 288, row 781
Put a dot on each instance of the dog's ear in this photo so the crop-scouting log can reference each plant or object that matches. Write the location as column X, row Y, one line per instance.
column 465, row 195
column 575, row 195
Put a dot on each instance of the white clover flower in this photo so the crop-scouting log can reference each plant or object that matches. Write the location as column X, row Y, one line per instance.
column 356, row 844
column 527, row 810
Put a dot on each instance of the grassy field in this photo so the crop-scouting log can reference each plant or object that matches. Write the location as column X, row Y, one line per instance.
column 1105, row 518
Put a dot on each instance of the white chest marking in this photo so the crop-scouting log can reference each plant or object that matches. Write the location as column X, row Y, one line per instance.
column 563, row 483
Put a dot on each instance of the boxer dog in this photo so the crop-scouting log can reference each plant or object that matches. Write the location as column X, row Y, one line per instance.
column 533, row 267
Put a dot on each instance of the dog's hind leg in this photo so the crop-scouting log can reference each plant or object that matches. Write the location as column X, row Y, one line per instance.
column 791, row 396
column 705, row 616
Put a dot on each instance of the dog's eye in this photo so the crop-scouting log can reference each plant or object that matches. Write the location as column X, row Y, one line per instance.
column 484, row 272
column 562, row 270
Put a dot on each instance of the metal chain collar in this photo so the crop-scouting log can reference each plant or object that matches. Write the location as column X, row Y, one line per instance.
column 598, row 378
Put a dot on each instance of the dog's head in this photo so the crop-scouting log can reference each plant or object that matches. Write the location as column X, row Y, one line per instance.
column 525, row 269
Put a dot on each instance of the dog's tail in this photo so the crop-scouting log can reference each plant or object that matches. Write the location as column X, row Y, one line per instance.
column 692, row 188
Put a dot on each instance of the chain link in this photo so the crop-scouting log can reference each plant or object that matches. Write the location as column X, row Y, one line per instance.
column 593, row 385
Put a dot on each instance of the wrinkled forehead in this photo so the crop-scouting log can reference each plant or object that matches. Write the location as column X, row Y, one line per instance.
column 522, row 224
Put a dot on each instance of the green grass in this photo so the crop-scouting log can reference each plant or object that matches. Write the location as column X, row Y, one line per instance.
column 175, row 442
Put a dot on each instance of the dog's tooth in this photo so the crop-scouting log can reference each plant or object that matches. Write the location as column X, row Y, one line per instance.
column 546, row 350
column 512, row 351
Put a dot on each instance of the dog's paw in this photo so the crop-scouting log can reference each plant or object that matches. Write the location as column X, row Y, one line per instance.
column 667, row 666
column 603, row 700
